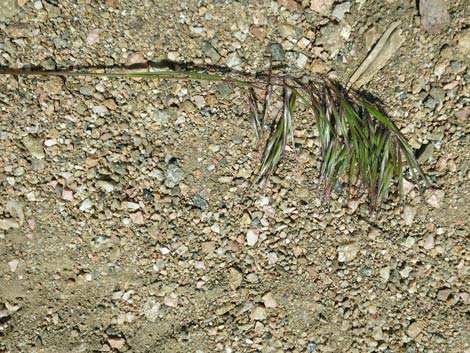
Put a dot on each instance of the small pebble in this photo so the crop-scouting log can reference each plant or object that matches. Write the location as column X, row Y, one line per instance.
column 269, row 301
column 409, row 215
column 414, row 329
column 13, row 264
column 348, row 252
column 174, row 175
column 235, row 278
column 435, row 198
column 428, row 242
column 34, row 146
column 252, row 237
column 93, row 37
column 117, row 343
column 321, row 6
column 171, row 300
column 86, row 205
column 258, row 314
column 341, row 9
column 434, row 15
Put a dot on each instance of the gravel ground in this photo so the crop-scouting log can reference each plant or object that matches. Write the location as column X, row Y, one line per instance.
column 128, row 220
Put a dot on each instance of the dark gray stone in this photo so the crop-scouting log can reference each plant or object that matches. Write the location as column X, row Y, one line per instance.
column 277, row 53
column 174, row 175
column 199, row 202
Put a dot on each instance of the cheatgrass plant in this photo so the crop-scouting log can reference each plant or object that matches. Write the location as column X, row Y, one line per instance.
column 359, row 143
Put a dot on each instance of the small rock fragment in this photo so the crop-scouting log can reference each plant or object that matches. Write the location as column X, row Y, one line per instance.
column 105, row 185
column 224, row 309
column 312, row 347
column 188, row 107
column 50, row 142
column 151, row 310
column 130, row 205
column 34, row 147
column 13, row 264
column 99, row 109
column 321, row 6
column 19, row 30
column 93, row 37
column 269, row 301
column 199, row 202
column 235, row 278
column 434, row 15
column 348, row 252
column 86, row 205
column 200, row 101
column 87, row 90
column 291, row 5
column 15, row 209
column 436, row 197
column 428, row 242
column 245, row 220
column 277, row 52
column 258, row 32
column 137, row 218
column 171, row 300
column 117, row 342
column 443, row 294
column 174, row 175
column 162, row 117
column 463, row 41
column 288, row 31
column 67, row 194
column 465, row 298
column 414, row 329
column 464, row 114
column 332, row 38
column 301, row 61
column 233, row 60
column 210, row 51
column 340, row 10
column 208, row 247
column 251, row 237
column 136, row 59
column 258, row 313
column 244, row 173
column 426, row 154
column 405, row 273
column 430, row 103
column 385, row 273
column 409, row 215
column 8, row 223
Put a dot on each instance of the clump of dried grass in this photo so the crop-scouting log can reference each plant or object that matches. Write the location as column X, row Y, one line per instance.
column 358, row 140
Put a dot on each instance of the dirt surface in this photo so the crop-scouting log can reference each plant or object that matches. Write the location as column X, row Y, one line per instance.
column 128, row 219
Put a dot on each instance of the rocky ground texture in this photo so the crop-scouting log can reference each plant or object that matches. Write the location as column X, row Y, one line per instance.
column 128, row 219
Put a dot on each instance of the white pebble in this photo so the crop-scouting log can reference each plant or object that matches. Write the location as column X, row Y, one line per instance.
column 428, row 243
column 50, row 142
column 131, row 205
column 348, row 252
column 171, row 300
column 269, row 301
column 86, row 205
column 13, row 264
column 251, row 237
column 164, row 251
